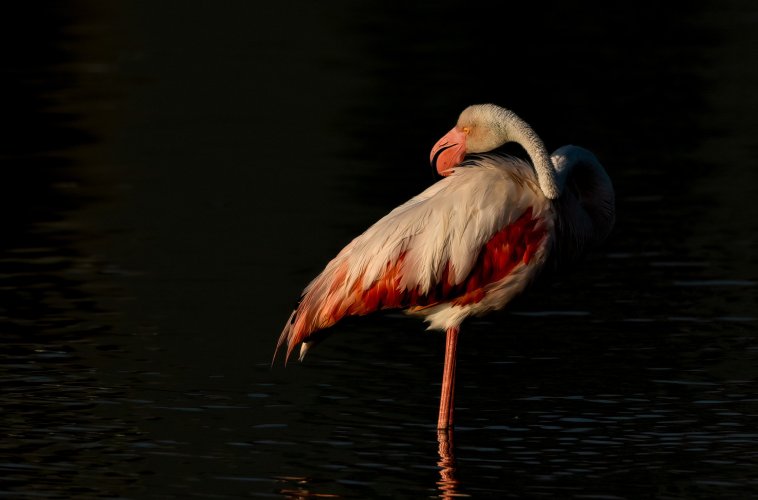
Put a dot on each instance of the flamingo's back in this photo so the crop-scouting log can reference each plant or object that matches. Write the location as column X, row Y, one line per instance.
column 464, row 246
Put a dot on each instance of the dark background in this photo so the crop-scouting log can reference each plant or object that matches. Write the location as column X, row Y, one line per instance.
column 172, row 174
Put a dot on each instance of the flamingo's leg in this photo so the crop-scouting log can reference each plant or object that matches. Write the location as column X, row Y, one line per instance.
column 447, row 407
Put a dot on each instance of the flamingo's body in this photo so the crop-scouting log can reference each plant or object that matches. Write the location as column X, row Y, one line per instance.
column 464, row 247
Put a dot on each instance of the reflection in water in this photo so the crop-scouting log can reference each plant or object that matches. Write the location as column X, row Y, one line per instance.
column 448, row 484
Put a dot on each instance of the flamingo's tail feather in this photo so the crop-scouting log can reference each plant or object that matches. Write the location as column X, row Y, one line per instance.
column 285, row 338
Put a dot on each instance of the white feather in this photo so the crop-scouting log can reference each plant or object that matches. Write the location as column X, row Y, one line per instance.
column 447, row 224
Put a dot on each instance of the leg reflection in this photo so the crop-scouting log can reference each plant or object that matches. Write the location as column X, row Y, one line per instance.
column 448, row 484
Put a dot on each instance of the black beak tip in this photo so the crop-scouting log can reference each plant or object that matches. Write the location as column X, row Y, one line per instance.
column 435, row 172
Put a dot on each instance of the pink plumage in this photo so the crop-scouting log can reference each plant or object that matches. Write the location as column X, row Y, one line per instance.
column 469, row 243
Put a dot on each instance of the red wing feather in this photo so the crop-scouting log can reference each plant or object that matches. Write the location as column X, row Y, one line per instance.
column 513, row 244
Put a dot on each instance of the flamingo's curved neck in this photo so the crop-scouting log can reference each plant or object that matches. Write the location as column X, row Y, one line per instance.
column 514, row 129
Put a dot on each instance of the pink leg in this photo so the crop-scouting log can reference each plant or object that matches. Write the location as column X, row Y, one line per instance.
column 445, row 420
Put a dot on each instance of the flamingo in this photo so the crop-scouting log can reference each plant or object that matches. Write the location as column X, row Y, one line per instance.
column 469, row 243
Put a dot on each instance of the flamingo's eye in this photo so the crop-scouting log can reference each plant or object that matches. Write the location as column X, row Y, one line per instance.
column 466, row 130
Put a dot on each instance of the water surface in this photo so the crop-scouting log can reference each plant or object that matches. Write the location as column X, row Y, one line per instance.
column 177, row 173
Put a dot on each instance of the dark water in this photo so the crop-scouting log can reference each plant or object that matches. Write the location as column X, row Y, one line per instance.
column 173, row 174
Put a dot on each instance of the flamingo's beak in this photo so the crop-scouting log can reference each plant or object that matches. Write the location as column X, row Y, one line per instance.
column 448, row 152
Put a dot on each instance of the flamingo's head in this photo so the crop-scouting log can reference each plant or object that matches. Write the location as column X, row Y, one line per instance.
column 478, row 130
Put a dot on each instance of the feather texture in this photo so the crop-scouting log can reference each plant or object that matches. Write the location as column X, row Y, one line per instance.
column 464, row 246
